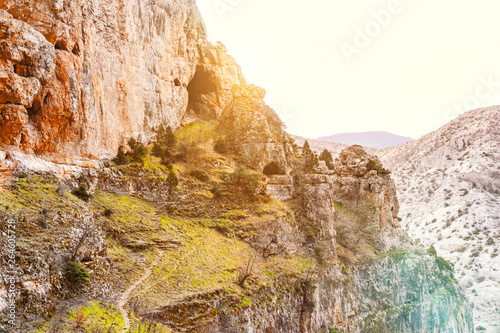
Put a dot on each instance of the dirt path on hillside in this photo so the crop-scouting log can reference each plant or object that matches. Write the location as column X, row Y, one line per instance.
column 126, row 295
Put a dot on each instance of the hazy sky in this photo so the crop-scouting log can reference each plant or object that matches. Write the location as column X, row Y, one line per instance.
column 331, row 66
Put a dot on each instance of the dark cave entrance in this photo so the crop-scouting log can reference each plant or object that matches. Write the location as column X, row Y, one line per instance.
column 36, row 108
column 203, row 82
column 273, row 168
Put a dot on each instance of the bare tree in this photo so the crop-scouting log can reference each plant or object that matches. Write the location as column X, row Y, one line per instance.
column 271, row 249
column 246, row 272
column 88, row 232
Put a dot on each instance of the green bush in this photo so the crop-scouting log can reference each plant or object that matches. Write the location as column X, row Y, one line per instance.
column 310, row 158
column 132, row 143
column 372, row 165
column 83, row 179
column 475, row 254
column 183, row 150
column 335, row 330
column 165, row 137
column 139, row 152
column 159, row 151
column 120, row 158
column 222, row 229
column 108, row 212
column 77, row 273
column 81, row 193
column 443, row 264
column 245, row 179
column 220, row 145
column 216, row 190
column 172, row 180
column 199, row 174
column 328, row 158
column 165, row 161
column 165, row 142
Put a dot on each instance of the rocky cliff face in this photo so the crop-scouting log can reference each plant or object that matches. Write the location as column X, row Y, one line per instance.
column 80, row 77
column 406, row 292
column 255, row 131
column 356, row 206
column 370, row 280
column 207, row 246
column 449, row 185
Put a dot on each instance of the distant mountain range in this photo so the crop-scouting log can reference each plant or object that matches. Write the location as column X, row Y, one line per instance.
column 333, row 147
column 379, row 140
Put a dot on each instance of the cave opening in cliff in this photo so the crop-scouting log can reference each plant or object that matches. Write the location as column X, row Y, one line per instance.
column 76, row 50
column 35, row 109
column 203, row 82
column 59, row 45
column 273, row 168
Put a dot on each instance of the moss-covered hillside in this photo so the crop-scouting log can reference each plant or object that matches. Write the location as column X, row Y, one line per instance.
column 206, row 231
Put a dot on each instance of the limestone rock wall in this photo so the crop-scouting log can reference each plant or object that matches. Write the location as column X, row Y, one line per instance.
column 410, row 294
column 405, row 292
column 79, row 77
column 353, row 217
column 254, row 131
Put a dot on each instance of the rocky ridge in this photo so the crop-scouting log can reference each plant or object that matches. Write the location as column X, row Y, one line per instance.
column 449, row 186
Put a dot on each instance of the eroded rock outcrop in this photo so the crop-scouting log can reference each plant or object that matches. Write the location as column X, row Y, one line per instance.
column 353, row 211
column 255, row 132
column 407, row 294
column 210, row 90
column 91, row 74
column 13, row 118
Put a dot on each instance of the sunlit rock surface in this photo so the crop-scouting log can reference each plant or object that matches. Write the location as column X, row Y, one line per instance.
column 91, row 74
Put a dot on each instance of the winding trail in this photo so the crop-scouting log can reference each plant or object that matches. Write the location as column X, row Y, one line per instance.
column 126, row 295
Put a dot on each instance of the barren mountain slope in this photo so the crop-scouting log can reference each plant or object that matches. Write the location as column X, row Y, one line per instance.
column 449, row 186
column 377, row 139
